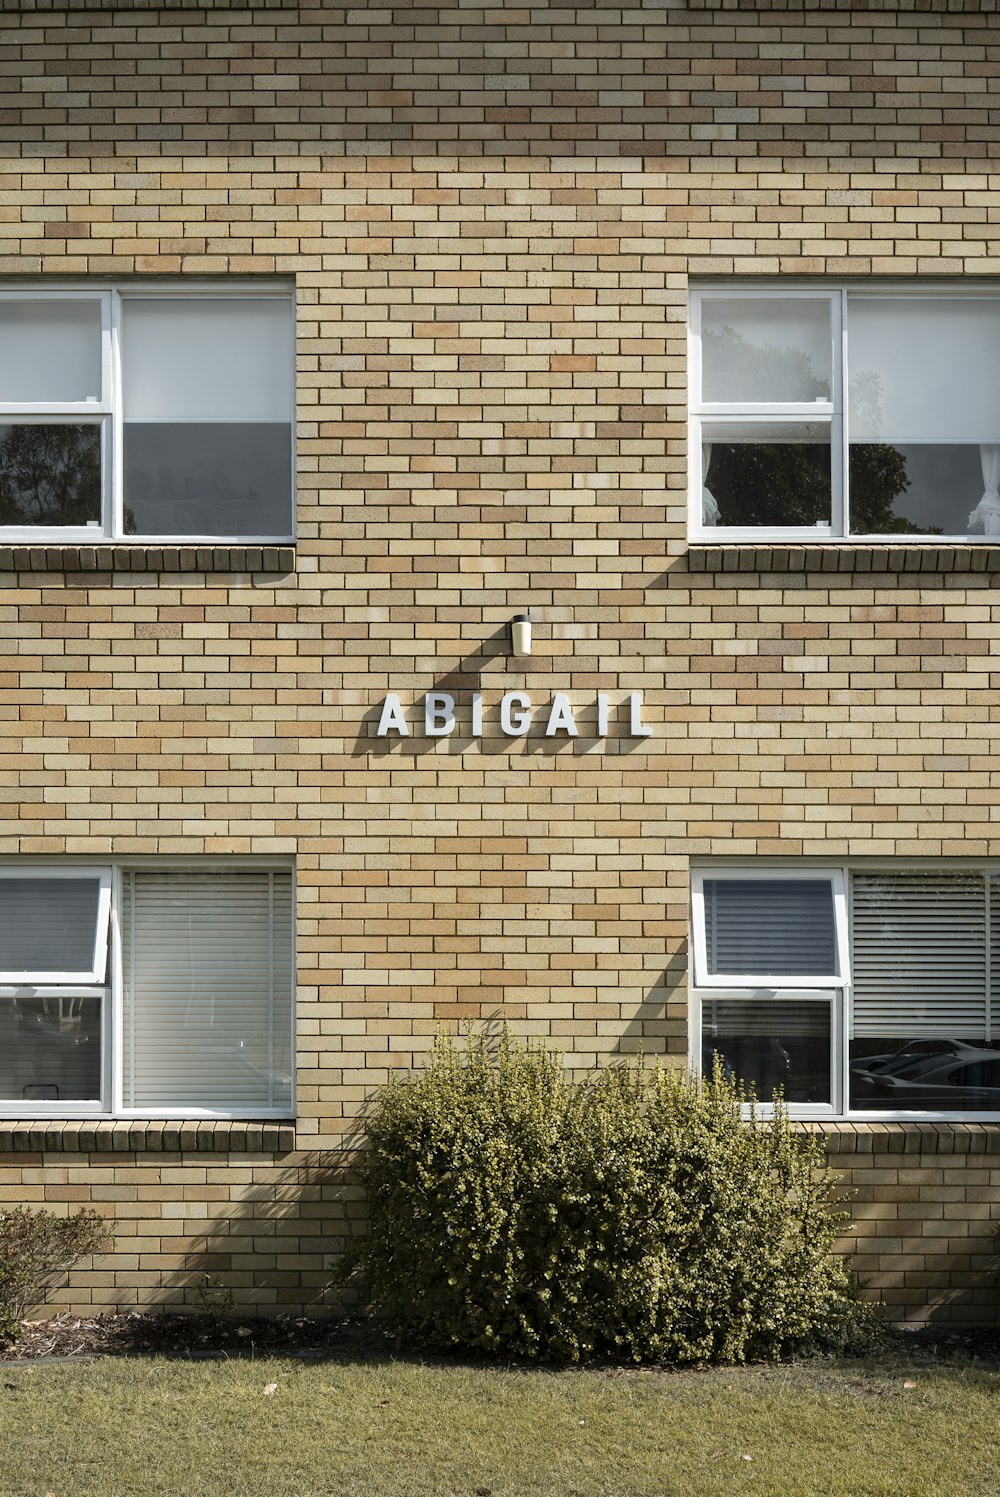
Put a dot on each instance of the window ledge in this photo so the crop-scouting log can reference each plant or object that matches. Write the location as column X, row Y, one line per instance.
column 905, row 1138
column 129, row 1136
column 859, row 557
column 140, row 557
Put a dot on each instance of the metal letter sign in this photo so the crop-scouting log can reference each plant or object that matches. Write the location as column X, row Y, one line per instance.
column 514, row 714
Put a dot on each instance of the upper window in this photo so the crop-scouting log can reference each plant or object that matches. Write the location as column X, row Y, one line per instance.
column 821, row 414
column 142, row 414
column 54, row 925
column 860, row 991
column 185, row 1012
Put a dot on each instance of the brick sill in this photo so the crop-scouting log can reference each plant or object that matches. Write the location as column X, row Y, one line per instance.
column 823, row 557
column 116, row 557
column 130, row 1136
column 905, row 1138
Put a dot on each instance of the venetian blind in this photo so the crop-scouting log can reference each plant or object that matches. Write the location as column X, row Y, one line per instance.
column 207, row 965
column 770, row 1018
column 52, row 926
column 771, row 927
column 920, row 955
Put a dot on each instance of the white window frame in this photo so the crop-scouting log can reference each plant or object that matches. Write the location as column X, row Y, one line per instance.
column 839, row 991
column 830, row 997
column 108, row 411
column 834, row 411
column 111, row 992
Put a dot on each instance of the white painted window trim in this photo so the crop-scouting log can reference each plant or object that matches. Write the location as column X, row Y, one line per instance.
column 700, row 413
column 839, row 1111
column 108, row 411
column 109, row 1106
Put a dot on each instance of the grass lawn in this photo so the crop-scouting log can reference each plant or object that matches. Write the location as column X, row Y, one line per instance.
column 160, row 1428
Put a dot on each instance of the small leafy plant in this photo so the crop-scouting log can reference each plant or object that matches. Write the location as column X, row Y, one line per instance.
column 636, row 1214
column 36, row 1249
column 214, row 1298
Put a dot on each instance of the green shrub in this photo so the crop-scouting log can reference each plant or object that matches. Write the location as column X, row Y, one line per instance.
column 635, row 1214
column 36, row 1249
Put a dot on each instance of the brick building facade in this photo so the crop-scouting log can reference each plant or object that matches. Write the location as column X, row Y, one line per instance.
column 491, row 217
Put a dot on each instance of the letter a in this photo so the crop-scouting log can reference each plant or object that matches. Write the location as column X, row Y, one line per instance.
column 561, row 717
column 392, row 719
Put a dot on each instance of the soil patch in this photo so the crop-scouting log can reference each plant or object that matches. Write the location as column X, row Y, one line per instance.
column 194, row 1337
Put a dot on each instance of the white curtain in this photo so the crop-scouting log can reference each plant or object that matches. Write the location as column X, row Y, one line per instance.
column 709, row 507
column 987, row 511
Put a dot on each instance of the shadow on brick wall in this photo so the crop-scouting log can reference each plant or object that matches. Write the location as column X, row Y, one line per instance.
column 273, row 1246
column 464, row 77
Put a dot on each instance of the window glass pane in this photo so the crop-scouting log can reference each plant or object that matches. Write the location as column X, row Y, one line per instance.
column 208, row 479
column 207, row 964
column 940, row 1075
column 207, row 358
column 50, row 475
column 50, row 351
column 777, row 1044
column 923, row 369
column 49, row 925
column 770, row 927
column 50, row 1049
column 922, row 489
column 765, row 349
column 766, row 473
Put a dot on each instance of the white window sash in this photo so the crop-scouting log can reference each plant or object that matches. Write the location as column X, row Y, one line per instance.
column 828, row 997
column 47, row 977
column 764, row 981
column 81, row 410
column 701, row 414
column 65, row 1111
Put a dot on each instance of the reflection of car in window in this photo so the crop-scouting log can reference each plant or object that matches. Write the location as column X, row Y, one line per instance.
column 923, row 1074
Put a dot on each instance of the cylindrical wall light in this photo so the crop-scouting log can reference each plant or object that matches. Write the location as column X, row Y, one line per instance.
column 520, row 635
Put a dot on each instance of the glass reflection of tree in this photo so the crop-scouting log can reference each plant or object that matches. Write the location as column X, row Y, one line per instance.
column 759, row 371
column 772, row 483
column 50, row 475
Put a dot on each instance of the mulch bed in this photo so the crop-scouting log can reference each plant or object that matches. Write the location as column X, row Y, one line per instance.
column 193, row 1337
column 196, row 1337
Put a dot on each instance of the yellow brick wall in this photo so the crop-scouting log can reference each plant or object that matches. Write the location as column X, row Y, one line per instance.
column 491, row 214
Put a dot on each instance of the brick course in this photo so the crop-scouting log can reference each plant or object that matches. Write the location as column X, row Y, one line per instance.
column 490, row 214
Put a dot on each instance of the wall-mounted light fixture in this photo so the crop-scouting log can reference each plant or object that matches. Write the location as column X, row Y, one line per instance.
column 520, row 635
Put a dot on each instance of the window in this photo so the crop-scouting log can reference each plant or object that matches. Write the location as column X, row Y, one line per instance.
column 146, row 991
column 823, row 414
column 161, row 414
column 859, row 991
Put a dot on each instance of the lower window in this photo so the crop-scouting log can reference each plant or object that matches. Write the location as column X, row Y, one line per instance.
column 852, row 990
column 146, row 991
